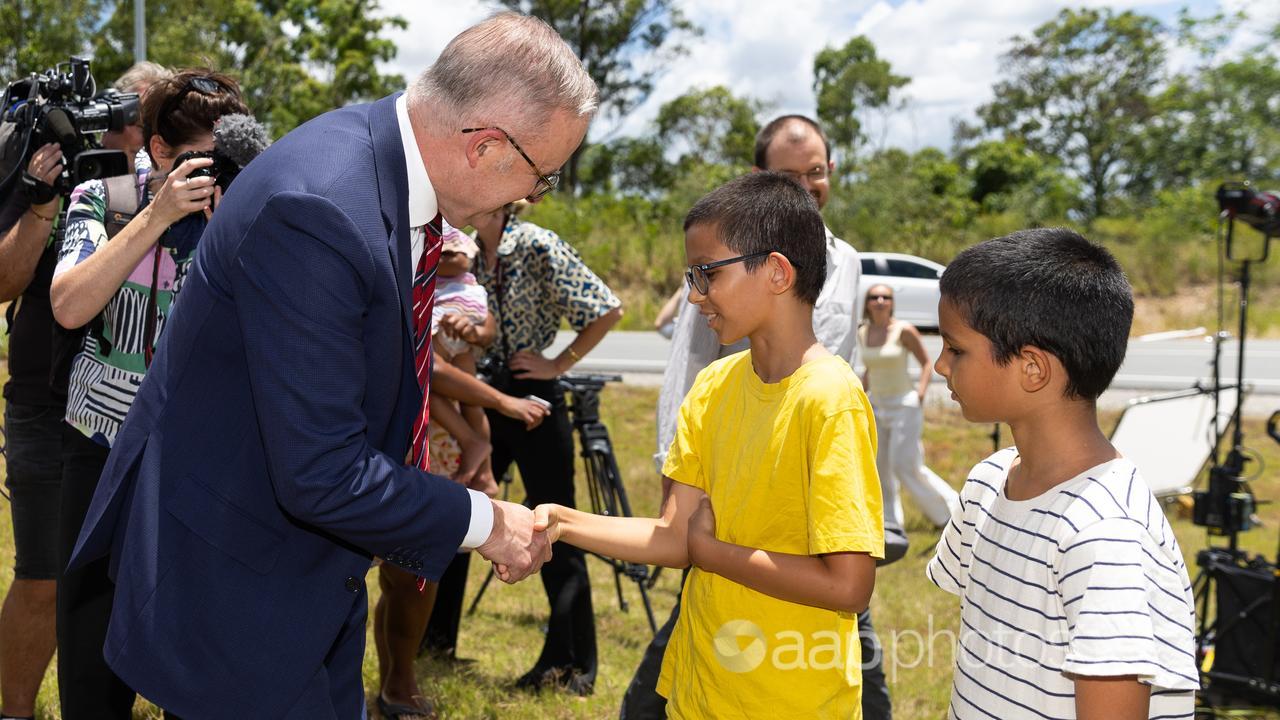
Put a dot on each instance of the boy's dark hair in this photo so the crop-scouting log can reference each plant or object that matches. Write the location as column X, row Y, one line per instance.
column 1050, row 288
column 765, row 137
column 764, row 211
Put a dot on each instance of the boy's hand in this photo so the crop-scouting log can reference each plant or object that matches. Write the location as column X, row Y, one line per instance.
column 702, row 531
column 546, row 518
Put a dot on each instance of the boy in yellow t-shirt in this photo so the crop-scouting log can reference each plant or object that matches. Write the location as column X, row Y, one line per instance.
column 779, row 440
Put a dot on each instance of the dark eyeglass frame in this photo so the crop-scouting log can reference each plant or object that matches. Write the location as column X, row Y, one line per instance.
column 879, row 297
column 696, row 275
column 545, row 184
column 202, row 84
column 816, row 174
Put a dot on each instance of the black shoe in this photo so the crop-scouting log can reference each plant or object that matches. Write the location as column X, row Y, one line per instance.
column 568, row 679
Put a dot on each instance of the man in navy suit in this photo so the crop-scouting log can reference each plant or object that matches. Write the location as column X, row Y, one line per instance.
column 264, row 461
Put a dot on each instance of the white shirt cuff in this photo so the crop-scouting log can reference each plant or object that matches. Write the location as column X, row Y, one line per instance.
column 481, row 521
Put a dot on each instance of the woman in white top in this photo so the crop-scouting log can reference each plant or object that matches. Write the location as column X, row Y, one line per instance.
column 885, row 342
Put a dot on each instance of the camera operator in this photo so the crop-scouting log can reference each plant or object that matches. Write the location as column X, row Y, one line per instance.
column 35, row 397
column 131, row 279
column 32, row 420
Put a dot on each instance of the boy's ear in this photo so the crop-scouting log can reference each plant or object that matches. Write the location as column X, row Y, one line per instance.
column 782, row 274
column 1036, row 369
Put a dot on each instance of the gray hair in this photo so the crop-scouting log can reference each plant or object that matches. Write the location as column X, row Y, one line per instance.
column 142, row 75
column 508, row 61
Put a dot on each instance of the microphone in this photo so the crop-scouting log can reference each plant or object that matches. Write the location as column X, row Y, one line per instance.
column 239, row 138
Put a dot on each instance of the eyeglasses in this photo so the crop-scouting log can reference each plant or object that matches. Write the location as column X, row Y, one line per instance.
column 545, row 182
column 696, row 275
column 886, row 298
column 817, row 174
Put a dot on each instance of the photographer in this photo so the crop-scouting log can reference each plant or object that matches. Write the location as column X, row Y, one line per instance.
column 131, row 279
column 32, row 426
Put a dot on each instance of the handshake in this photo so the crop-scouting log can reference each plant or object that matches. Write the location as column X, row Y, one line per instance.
column 515, row 547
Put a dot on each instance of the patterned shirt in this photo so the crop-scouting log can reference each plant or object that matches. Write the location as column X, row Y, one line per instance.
column 543, row 280
column 1083, row 580
column 105, row 376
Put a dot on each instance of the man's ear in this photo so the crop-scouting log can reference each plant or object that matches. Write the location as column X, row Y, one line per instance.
column 1036, row 368
column 479, row 143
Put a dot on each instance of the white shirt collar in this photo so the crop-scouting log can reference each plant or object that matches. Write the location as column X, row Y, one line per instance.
column 422, row 196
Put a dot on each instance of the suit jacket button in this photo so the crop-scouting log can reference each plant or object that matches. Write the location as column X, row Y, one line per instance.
column 353, row 585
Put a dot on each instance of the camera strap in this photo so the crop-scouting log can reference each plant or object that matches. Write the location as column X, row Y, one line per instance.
column 122, row 202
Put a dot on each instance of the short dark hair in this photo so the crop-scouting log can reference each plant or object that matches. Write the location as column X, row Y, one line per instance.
column 764, row 211
column 765, row 137
column 1051, row 288
column 179, row 110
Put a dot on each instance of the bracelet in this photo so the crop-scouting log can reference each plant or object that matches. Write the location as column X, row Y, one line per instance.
column 32, row 210
column 576, row 357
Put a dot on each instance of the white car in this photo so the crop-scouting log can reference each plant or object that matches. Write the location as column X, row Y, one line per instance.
column 914, row 281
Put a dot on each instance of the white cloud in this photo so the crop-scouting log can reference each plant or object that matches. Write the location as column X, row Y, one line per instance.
column 949, row 48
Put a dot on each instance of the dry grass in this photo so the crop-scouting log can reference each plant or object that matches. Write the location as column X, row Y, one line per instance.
column 505, row 634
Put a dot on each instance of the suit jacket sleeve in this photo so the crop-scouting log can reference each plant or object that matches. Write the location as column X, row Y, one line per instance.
column 303, row 281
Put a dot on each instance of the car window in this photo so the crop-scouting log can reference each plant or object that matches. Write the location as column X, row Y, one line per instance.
column 905, row 268
column 869, row 266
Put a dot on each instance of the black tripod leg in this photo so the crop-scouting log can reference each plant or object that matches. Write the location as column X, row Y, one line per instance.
column 480, row 595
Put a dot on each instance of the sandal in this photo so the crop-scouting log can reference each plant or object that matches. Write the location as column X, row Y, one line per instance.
column 393, row 711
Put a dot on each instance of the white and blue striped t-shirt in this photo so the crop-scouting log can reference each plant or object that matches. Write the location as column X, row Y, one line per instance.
column 1085, row 579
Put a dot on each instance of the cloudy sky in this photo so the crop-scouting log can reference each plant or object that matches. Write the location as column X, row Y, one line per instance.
column 949, row 48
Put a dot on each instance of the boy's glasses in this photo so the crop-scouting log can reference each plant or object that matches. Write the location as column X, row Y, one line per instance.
column 696, row 275
column 545, row 182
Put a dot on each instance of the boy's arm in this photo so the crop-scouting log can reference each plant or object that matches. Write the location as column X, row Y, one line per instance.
column 836, row 581
column 1111, row 698
column 651, row 541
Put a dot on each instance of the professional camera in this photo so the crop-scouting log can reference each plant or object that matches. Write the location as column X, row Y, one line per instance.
column 62, row 105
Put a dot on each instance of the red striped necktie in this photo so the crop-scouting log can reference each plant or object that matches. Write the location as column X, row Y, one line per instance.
column 424, row 291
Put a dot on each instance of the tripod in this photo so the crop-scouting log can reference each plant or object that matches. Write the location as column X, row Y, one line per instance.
column 1239, row 646
column 604, row 481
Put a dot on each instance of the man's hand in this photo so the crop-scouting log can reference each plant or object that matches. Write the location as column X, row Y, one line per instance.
column 513, row 547
column 526, row 411
column 546, row 518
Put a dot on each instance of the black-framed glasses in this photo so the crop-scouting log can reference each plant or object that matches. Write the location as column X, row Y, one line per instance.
column 887, row 298
column 545, row 182
column 696, row 275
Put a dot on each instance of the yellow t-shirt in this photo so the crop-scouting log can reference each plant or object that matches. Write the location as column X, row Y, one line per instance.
column 789, row 467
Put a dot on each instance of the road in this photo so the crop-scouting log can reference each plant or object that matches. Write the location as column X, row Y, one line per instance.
column 1158, row 365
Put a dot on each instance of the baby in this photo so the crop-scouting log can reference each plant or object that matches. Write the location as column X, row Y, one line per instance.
column 457, row 434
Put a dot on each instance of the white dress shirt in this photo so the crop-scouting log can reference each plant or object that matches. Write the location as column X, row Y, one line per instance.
column 422, row 208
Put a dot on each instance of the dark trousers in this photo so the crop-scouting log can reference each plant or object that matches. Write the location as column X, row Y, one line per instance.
column 86, row 686
column 642, row 701
column 544, row 456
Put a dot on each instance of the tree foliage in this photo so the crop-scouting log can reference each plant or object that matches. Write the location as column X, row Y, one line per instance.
column 849, row 83
column 1079, row 89
column 294, row 59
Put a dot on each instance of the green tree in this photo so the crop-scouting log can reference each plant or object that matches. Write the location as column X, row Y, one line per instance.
column 1005, row 175
column 38, row 34
column 623, row 44
column 294, row 59
column 850, row 82
column 710, row 126
column 1079, row 89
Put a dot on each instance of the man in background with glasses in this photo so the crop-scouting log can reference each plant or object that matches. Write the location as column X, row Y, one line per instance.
column 795, row 146
column 279, row 441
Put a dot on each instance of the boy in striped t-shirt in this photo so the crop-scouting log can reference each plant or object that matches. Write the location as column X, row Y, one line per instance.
column 1075, row 602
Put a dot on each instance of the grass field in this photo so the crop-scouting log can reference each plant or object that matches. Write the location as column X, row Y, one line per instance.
column 913, row 617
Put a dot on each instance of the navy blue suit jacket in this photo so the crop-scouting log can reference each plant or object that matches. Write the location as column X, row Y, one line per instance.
column 262, row 463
